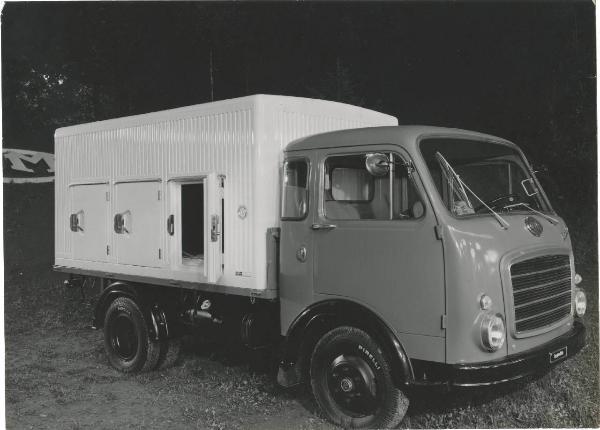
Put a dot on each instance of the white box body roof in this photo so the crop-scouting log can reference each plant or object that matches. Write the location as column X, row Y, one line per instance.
column 242, row 139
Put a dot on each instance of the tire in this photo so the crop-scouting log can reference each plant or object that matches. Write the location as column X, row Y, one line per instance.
column 126, row 338
column 169, row 353
column 352, row 382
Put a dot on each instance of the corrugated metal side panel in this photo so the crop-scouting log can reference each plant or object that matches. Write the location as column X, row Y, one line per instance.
column 221, row 142
column 226, row 138
column 61, row 204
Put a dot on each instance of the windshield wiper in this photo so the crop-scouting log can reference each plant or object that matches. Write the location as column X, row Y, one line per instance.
column 449, row 170
column 552, row 221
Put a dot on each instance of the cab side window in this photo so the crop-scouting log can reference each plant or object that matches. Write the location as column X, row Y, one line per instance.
column 294, row 190
column 353, row 193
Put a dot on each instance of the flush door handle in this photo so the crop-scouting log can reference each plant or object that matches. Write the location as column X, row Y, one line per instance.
column 171, row 225
column 323, row 226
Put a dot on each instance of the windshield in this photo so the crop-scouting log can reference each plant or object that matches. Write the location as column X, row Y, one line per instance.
column 475, row 177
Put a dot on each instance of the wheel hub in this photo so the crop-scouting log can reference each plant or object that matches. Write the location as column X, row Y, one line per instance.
column 123, row 338
column 346, row 385
column 352, row 385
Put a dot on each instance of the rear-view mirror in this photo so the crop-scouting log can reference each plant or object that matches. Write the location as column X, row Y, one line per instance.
column 377, row 164
column 529, row 187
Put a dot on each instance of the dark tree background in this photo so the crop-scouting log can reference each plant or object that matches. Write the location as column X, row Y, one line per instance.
column 521, row 70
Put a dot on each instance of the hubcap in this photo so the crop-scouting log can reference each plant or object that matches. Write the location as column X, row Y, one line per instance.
column 346, row 385
column 352, row 385
column 123, row 338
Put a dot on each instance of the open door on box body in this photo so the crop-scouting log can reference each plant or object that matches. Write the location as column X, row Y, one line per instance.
column 214, row 222
column 195, row 226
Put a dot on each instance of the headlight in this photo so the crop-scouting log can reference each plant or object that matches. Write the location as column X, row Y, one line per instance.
column 492, row 332
column 580, row 302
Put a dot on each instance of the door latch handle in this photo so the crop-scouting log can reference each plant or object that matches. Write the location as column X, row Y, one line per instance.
column 214, row 228
column 119, row 223
column 323, row 226
column 171, row 225
column 74, row 221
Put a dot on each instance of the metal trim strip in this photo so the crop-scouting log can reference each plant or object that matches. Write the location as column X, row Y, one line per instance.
column 214, row 288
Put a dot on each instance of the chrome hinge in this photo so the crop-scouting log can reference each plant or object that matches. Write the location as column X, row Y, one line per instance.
column 439, row 232
column 107, row 250
column 159, row 254
column 107, row 196
column 158, row 194
column 444, row 320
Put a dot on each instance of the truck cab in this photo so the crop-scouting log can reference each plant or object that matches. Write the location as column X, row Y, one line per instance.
column 440, row 245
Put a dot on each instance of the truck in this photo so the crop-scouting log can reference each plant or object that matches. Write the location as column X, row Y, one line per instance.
column 372, row 257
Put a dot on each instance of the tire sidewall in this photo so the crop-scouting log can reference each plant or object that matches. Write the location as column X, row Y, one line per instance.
column 128, row 308
column 357, row 342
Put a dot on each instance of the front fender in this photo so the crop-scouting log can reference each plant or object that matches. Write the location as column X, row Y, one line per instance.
column 321, row 317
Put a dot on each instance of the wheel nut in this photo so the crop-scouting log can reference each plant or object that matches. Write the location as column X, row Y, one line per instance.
column 346, row 385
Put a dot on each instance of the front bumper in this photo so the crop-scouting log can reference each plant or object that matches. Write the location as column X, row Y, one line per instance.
column 535, row 361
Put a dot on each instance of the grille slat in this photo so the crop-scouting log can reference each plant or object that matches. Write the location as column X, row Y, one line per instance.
column 546, row 277
column 539, row 263
column 541, row 291
column 545, row 290
column 537, row 308
column 544, row 320
column 542, row 272
column 542, row 300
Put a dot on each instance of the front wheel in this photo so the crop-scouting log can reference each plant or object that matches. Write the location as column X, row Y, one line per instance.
column 352, row 382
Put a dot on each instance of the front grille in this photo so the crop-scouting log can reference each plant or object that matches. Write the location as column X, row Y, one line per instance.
column 541, row 291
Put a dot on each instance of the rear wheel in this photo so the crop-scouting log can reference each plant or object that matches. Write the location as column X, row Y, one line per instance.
column 126, row 338
column 352, row 383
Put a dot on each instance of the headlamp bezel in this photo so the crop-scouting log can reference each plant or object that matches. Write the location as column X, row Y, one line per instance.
column 488, row 321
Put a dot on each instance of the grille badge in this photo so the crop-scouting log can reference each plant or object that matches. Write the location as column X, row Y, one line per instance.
column 533, row 226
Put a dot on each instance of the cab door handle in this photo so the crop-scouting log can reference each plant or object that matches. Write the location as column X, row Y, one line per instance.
column 323, row 226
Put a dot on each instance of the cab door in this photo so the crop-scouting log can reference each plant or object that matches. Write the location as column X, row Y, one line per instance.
column 374, row 240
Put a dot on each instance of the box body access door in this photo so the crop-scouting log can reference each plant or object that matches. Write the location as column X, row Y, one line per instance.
column 137, row 223
column 89, row 221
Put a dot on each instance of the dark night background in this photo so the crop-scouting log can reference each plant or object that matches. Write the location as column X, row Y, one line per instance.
column 524, row 71
column 521, row 70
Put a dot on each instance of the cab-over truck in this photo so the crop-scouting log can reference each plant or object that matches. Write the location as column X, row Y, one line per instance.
column 375, row 257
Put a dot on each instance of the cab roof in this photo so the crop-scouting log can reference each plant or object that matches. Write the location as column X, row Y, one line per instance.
column 404, row 135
